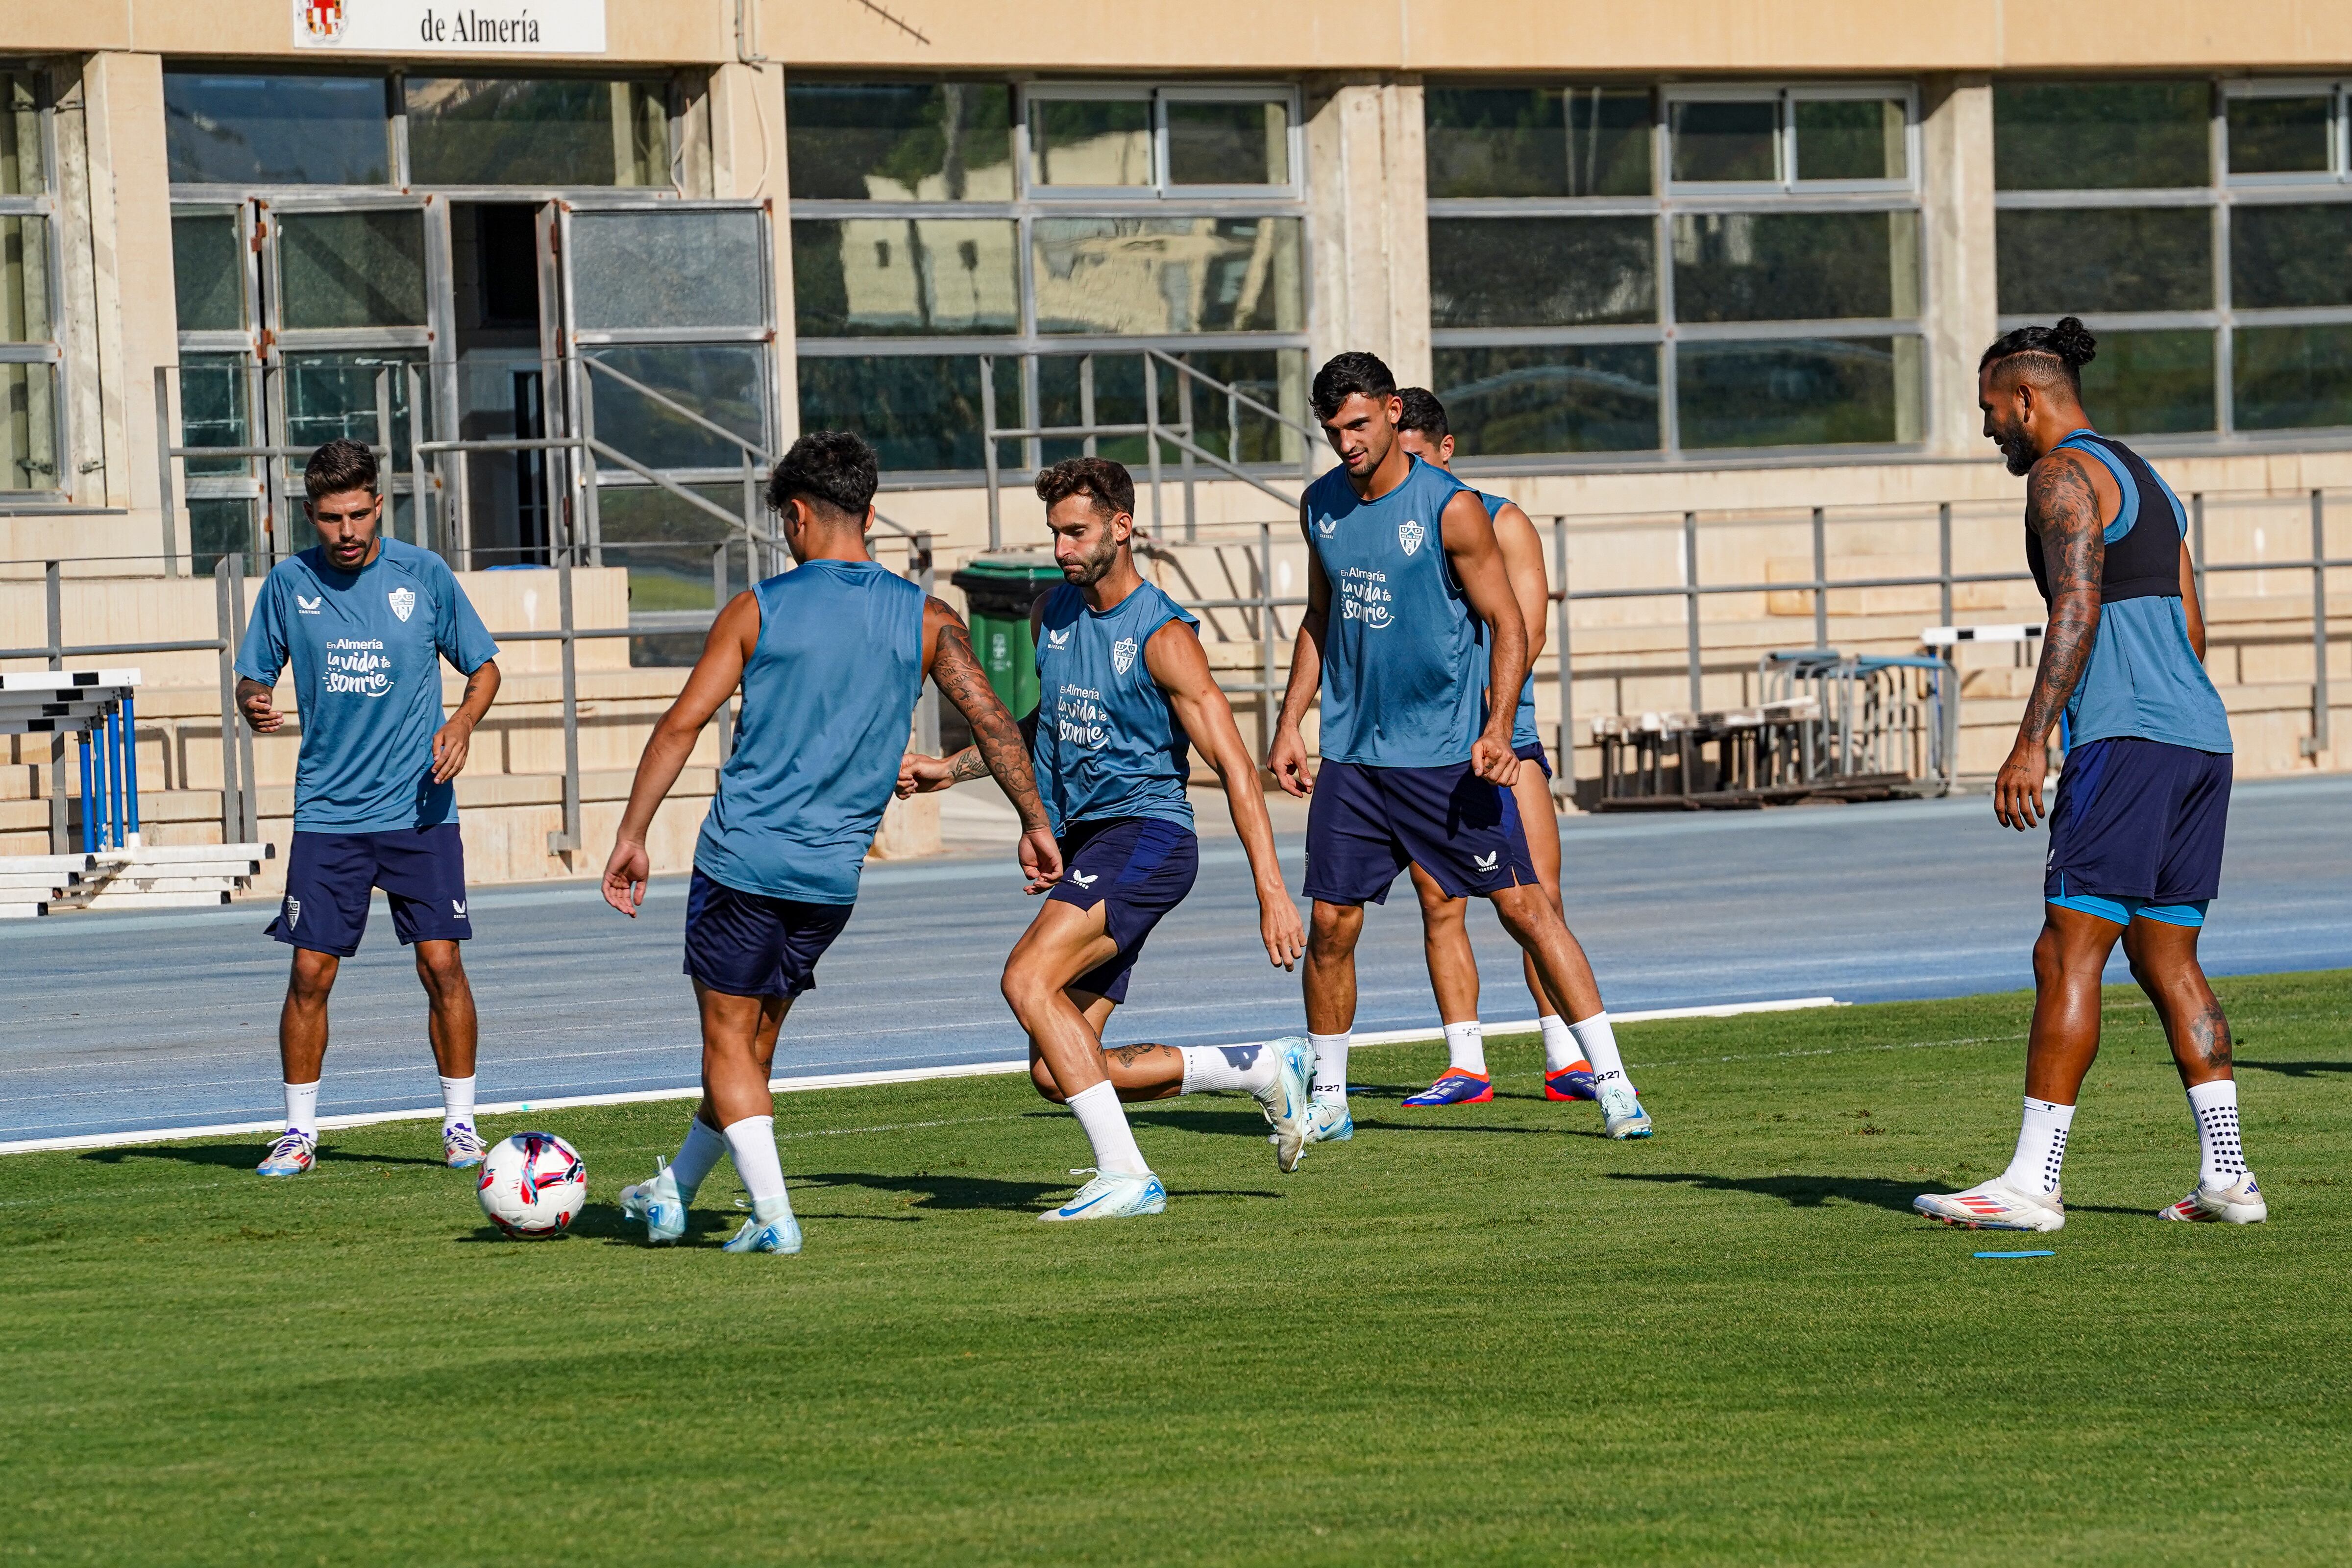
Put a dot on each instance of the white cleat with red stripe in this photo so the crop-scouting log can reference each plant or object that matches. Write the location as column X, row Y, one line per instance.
column 1994, row 1206
column 2241, row 1204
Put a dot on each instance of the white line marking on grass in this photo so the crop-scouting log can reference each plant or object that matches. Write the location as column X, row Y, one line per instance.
column 821, row 1080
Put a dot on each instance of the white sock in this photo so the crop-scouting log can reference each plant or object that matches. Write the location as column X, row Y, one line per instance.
column 1206, row 1067
column 1331, row 1067
column 302, row 1109
column 2041, row 1147
column 1560, row 1049
column 2215, row 1107
column 752, row 1143
column 1597, row 1041
column 457, row 1102
column 1105, row 1120
column 1465, row 1047
column 702, row 1149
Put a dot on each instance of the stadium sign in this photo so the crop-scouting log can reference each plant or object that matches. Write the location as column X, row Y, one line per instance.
column 451, row 27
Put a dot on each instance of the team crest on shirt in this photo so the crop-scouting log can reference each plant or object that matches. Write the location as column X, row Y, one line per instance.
column 404, row 601
column 1122, row 655
column 1410, row 534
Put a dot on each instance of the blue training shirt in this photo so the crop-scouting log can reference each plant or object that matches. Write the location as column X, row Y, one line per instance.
column 1107, row 744
column 366, row 647
column 1404, row 676
column 828, row 698
column 1523, row 722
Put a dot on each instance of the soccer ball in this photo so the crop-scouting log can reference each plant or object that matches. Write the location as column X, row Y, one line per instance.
column 532, row 1184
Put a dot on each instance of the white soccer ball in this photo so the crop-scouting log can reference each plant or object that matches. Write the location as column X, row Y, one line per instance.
column 533, row 1184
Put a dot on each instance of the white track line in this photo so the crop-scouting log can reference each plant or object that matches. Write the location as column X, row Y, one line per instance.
column 819, row 1080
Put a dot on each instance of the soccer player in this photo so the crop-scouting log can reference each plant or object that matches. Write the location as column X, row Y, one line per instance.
column 366, row 622
column 1445, row 936
column 1402, row 572
column 831, row 657
column 1126, row 691
column 2137, row 828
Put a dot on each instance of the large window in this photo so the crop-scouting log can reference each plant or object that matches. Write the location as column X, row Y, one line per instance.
column 1615, row 269
column 31, row 419
column 1052, row 231
column 2202, row 229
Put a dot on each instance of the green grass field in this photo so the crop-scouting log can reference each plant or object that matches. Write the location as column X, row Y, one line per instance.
column 1487, row 1335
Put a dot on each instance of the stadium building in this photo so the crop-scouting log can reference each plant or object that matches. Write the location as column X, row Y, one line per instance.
column 1703, row 285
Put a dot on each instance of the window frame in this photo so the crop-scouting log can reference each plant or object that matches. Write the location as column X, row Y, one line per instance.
column 1668, row 199
column 1031, row 202
column 49, row 350
column 2221, row 196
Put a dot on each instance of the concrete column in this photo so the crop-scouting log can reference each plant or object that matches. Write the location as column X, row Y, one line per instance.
column 1366, row 184
column 1962, row 308
column 747, row 161
column 128, row 198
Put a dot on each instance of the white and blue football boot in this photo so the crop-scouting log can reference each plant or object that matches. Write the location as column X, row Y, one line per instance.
column 657, row 1205
column 292, row 1155
column 1287, row 1099
column 1112, row 1196
column 1621, row 1108
column 779, row 1234
column 463, row 1147
column 1329, row 1123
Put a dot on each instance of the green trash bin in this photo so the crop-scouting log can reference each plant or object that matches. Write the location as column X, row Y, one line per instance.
column 999, row 590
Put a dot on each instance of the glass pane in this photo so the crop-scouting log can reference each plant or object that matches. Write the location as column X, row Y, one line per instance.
column 2280, row 135
column 2100, row 135
column 21, row 173
column 25, row 280
column 352, row 269
column 1090, row 141
column 214, row 389
column 332, row 396
column 1167, row 274
column 1608, row 142
column 683, row 269
column 1228, row 143
column 903, row 142
column 29, row 427
column 1495, row 141
column 724, row 383
column 208, row 273
column 921, row 412
column 1542, row 272
column 1852, row 138
column 1809, row 392
column 218, row 528
column 2145, row 384
column 1275, row 378
column 506, row 130
column 276, row 130
column 2290, row 256
column 1602, row 398
column 1795, row 267
column 2294, row 377
column 874, row 275
column 2104, row 259
column 1726, row 141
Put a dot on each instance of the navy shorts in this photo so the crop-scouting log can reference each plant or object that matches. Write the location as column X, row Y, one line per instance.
column 1140, row 868
column 422, row 871
column 749, row 945
column 1365, row 824
column 2138, row 820
column 1533, row 751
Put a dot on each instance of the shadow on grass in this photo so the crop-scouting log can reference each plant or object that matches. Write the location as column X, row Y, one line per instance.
column 1797, row 1192
column 2297, row 1069
column 1216, row 1123
column 944, row 1192
column 1434, row 1125
column 242, row 1157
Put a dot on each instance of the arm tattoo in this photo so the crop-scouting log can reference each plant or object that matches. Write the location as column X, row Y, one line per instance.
column 967, row 765
column 2208, row 1031
column 2062, row 508
column 995, row 737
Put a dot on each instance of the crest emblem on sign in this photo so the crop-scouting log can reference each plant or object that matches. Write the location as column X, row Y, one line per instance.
column 324, row 18
column 1122, row 653
column 404, row 601
column 1410, row 534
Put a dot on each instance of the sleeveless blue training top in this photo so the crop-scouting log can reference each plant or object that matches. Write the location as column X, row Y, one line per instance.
column 828, row 698
column 1522, row 723
column 1404, row 676
column 1107, row 744
column 2143, row 679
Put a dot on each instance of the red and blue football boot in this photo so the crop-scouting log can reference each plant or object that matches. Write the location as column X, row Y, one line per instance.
column 1456, row 1087
column 1573, row 1082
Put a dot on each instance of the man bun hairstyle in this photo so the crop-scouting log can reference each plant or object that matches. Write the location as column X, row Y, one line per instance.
column 1424, row 413
column 2062, row 350
column 1108, row 484
column 1344, row 375
column 831, row 469
column 339, row 466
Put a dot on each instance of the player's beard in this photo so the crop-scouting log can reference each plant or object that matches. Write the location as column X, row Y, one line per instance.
column 1091, row 568
column 2014, row 447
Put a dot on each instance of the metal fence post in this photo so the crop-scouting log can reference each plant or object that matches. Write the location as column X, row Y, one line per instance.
column 593, row 519
column 164, row 444
column 719, row 603
column 1184, row 417
column 927, row 707
column 2318, row 740
column 1151, row 423
column 391, row 463
column 54, row 599
column 420, row 495
column 566, row 841
column 232, row 819
column 1951, row 674
column 1690, row 599
column 1564, row 777
column 248, row 798
column 988, row 449
column 1265, row 639
column 1820, row 578
column 2196, row 544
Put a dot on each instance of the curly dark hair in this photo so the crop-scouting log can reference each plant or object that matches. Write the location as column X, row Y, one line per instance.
column 832, row 468
column 1108, row 484
column 2064, row 349
column 338, row 466
column 1344, row 375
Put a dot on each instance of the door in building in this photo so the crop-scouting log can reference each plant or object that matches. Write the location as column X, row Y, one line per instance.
column 502, row 348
